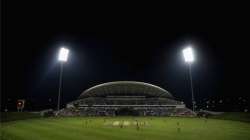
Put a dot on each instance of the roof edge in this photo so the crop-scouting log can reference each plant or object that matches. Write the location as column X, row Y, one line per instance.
column 118, row 82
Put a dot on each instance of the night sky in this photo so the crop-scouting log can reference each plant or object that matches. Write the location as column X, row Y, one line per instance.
column 120, row 43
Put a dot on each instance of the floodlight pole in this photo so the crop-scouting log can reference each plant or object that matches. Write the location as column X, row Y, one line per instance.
column 191, row 85
column 60, row 86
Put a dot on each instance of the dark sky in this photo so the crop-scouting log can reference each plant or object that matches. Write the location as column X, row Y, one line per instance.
column 133, row 42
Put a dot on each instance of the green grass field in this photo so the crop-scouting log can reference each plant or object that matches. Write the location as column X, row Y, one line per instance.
column 100, row 128
column 13, row 116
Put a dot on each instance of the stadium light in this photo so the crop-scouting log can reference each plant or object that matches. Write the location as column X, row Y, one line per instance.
column 188, row 54
column 62, row 57
column 189, row 58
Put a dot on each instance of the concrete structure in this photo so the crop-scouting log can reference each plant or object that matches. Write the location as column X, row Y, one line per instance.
column 127, row 98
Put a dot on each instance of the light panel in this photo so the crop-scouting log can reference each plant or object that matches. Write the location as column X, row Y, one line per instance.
column 188, row 54
column 63, row 54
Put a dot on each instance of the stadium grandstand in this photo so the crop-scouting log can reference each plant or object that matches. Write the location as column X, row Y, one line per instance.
column 126, row 98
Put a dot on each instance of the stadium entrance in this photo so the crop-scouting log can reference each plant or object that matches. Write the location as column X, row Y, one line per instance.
column 126, row 112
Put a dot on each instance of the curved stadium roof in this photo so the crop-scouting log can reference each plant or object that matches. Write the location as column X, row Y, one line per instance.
column 125, row 88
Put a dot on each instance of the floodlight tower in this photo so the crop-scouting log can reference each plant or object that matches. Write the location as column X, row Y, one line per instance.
column 189, row 58
column 62, row 58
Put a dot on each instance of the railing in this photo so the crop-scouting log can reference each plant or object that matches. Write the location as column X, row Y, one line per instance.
column 177, row 106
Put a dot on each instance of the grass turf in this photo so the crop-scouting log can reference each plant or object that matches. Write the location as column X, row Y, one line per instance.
column 235, row 116
column 13, row 116
column 158, row 128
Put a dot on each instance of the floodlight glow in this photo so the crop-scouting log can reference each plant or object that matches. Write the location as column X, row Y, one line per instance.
column 63, row 54
column 188, row 54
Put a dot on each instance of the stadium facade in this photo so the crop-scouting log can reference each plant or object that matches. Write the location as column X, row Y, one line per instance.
column 126, row 98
